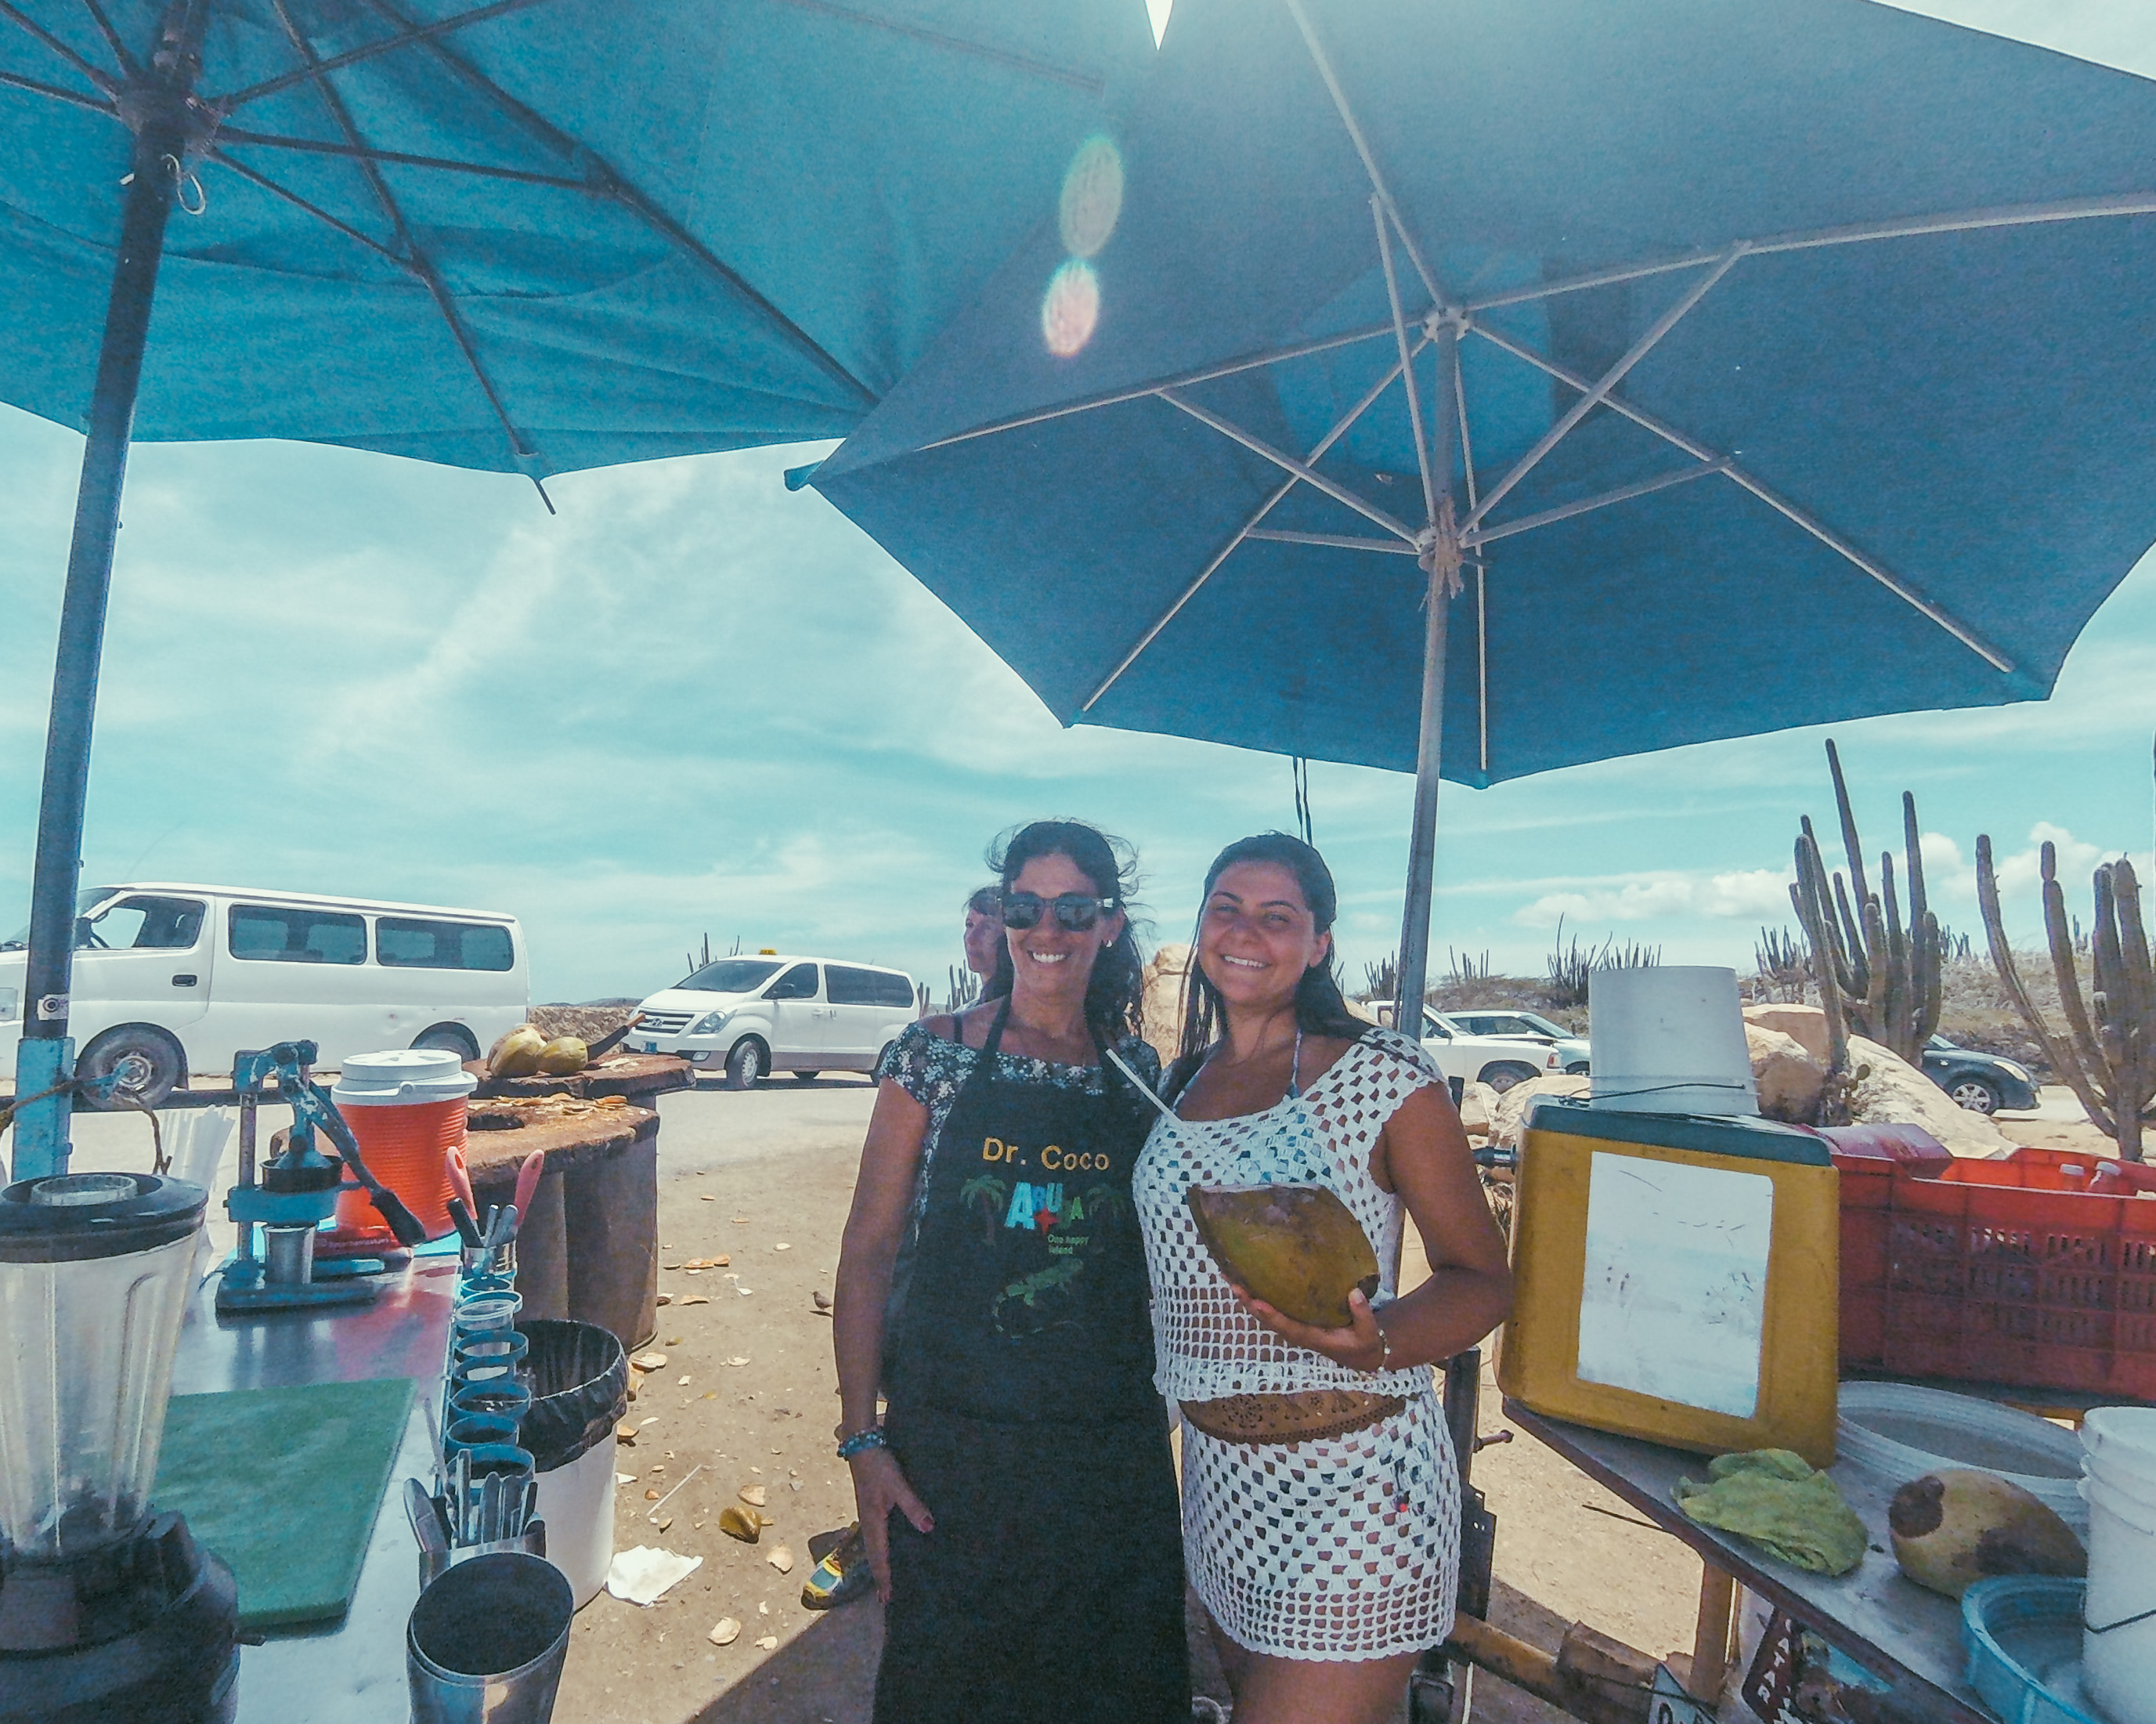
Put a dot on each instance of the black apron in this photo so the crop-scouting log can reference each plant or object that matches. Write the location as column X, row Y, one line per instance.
column 1023, row 1411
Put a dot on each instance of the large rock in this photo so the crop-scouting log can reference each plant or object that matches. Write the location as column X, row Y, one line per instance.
column 1164, row 1001
column 1511, row 1107
column 1805, row 1025
column 1478, row 1102
column 1788, row 1079
column 1892, row 1092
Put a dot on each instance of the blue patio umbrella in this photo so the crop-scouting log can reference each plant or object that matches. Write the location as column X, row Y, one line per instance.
column 1487, row 387
column 528, row 235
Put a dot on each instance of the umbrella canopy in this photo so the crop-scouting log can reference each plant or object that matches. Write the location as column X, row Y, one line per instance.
column 1769, row 365
column 1915, row 413
column 534, row 235
column 527, row 235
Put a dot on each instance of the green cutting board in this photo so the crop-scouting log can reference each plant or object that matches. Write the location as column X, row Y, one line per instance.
column 284, row 1484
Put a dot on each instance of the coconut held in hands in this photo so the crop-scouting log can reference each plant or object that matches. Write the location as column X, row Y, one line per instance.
column 1295, row 1247
column 1955, row 1527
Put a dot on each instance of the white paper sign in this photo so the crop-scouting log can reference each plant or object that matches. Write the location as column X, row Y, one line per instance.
column 1675, row 1300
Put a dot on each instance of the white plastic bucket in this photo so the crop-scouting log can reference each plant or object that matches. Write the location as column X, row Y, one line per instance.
column 2119, row 1666
column 2121, row 1438
column 1669, row 1039
column 576, row 1503
column 1897, row 1432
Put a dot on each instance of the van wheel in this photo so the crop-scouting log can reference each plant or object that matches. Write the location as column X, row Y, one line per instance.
column 745, row 1064
column 807, row 1077
column 147, row 1062
column 1504, row 1073
column 449, row 1038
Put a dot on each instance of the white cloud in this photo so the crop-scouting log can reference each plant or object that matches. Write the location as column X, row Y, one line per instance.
column 1743, row 894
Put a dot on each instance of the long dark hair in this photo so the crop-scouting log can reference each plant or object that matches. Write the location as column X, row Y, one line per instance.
column 1320, row 1007
column 1114, row 993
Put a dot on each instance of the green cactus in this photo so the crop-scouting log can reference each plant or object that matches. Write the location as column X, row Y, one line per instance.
column 1878, row 976
column 2108, row 1055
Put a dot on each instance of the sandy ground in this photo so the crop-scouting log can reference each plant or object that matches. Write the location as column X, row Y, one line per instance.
column 764, row 1179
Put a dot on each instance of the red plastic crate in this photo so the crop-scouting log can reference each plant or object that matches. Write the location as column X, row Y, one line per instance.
column 2039, row 1271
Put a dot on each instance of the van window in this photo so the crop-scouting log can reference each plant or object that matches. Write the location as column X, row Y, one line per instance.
column 297, row 936
column 798, row 983
column 731, row 975
column 145, row 924
column 846, row 986
column 405, row 943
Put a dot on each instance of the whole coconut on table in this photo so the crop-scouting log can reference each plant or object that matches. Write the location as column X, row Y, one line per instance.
column 1957, row 1526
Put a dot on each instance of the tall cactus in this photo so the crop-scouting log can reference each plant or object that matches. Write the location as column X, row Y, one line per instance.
column 2108, row 1055
column 1878, row 976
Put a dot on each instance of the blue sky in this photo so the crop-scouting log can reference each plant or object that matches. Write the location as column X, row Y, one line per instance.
column 696, row 702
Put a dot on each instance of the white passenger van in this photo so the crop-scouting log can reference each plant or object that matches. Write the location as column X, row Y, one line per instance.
column 770, row 1013
column 173, row 979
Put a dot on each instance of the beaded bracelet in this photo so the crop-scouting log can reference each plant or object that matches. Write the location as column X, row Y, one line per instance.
column 863, row 1440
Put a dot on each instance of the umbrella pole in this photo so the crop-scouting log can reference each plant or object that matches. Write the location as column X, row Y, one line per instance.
column 45, row 1058
column 1442, row 562
column 1422, row 845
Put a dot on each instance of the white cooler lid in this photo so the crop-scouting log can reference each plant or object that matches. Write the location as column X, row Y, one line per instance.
column 402, row 1077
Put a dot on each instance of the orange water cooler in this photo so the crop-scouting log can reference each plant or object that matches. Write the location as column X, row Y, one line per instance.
column 407, row 1109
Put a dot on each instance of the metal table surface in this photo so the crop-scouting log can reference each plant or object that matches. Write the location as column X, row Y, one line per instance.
column 1909, row 1637
column 352, row 1671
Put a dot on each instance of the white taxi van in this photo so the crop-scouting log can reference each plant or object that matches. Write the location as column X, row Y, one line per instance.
column 171, row 978
column 772, row 1013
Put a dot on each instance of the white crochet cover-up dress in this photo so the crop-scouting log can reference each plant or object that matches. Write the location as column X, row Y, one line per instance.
column 1340, row 1548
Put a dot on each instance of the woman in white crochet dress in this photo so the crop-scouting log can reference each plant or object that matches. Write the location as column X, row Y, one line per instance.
column 1320, row 1499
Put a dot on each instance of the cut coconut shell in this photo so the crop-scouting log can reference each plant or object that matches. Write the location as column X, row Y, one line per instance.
column 1295, row 1247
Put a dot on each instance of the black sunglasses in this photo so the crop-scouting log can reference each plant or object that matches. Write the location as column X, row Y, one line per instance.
column 1074, row 910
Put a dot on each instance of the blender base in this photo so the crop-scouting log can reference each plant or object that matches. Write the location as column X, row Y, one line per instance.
column 141, row 1633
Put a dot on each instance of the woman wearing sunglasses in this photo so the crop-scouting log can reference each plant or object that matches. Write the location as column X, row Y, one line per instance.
column 1320, row 1499
column 1017, row 1498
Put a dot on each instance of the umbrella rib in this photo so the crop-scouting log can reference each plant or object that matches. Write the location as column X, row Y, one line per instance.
column 1602, row 386
column 366, row 153
column 15, row 80
column 416, row 259
column 1092, row 86
column 1347, row 112
column 1288, row 464
column 1481, row 573
column 96, row 74
column 112, row 40
column 1203, row 374
column 316, row 210
column 1338, row 541
column 1797, row 516
column 604, row 178
column 373, row 50
column 2112, row 205
column 1400, row 334
column 1603, row 500
column 1346, row 424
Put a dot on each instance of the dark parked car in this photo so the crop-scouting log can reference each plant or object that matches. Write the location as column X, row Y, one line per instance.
column 1982, row 1083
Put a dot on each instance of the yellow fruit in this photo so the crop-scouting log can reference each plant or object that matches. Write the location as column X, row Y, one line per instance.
column 515, row 1055
column 1295, row 1247
column 563, row 1055
column 1954, row 1528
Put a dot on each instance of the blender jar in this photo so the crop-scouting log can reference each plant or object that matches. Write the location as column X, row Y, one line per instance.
column 94, row 1274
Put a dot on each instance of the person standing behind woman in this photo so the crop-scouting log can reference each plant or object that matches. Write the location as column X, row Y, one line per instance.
column 1018, row 1500
column 1321, row 1494
column 985, row 952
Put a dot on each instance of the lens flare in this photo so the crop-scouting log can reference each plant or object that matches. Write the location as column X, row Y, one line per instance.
column 1071, row 308
column 1092, row 196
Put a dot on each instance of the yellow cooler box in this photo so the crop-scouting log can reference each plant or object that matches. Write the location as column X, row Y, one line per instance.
column 1677, row 1278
